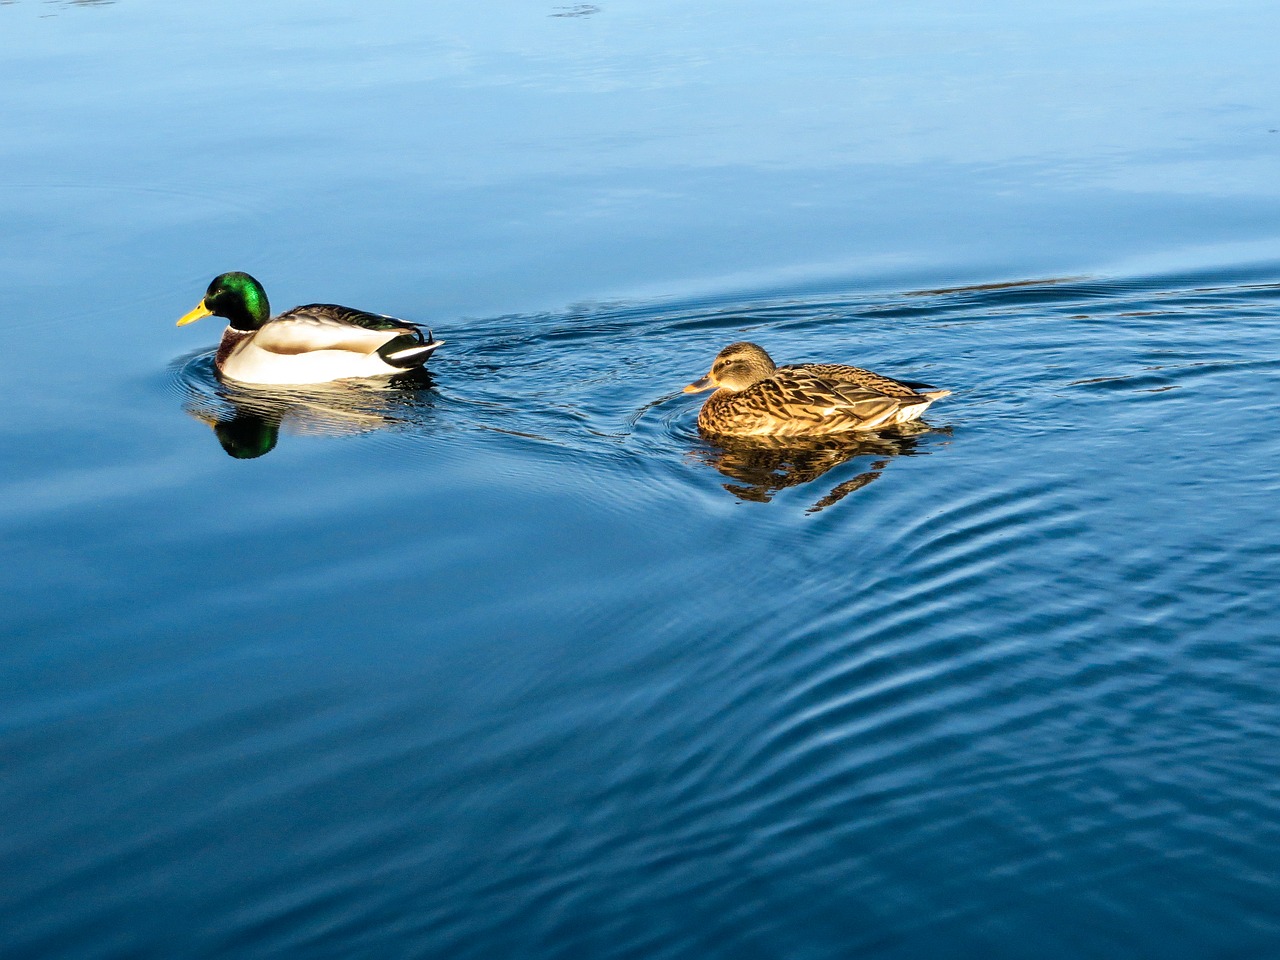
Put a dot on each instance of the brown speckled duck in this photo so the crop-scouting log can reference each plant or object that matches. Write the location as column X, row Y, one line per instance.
column 756, row 398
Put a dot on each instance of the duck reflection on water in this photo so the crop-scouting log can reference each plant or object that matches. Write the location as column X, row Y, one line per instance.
column 763, row 466
column 247, row 420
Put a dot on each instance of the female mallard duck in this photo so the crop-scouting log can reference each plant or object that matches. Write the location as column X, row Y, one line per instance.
column 756, row 398
column 311, row 344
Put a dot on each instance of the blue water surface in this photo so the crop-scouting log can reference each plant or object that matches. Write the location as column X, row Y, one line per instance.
column 512, row 662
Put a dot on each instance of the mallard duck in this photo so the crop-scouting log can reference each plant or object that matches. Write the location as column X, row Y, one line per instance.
column 315, row 343
column 757, row 398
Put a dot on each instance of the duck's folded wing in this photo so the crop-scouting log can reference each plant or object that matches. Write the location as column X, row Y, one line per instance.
column 323, row 327
column 809, row 397
column 859, row 377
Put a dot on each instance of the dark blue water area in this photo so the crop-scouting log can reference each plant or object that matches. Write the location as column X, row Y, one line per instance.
column 509, row 660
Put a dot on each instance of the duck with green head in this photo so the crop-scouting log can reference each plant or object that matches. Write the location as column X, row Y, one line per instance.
column 315, row 343
column 754, row 397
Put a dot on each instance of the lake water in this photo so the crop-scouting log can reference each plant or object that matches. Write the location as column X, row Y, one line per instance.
column 511, row 662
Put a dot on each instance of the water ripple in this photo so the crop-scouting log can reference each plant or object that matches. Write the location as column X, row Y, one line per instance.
column 1031, row 638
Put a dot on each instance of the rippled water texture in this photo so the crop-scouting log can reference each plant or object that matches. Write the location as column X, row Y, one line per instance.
column 507, row 660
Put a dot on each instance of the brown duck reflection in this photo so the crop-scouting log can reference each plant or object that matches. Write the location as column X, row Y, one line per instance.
column 762, row 466
column 247, row 421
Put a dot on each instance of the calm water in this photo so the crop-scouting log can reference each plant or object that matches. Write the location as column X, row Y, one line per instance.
column 511, row 662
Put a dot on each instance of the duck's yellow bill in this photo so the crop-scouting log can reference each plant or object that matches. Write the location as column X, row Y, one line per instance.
column 194, row 315
column 699, row 385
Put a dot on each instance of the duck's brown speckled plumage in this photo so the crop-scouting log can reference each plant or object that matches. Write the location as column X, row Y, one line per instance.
column 857, row 376
column 755, row 398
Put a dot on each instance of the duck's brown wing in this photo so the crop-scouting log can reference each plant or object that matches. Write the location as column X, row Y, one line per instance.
column 327, row 326
column 868, row 379
column 803, row 397
column 348, row 316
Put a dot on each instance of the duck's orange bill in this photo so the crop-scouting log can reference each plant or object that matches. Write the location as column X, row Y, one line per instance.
column 699, row 385
column 194, row 315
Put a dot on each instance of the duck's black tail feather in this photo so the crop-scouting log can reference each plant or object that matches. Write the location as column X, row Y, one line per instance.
column 409, row 350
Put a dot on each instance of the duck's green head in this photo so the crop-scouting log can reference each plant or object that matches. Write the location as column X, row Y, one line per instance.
column 736, row 367
column 236, row 296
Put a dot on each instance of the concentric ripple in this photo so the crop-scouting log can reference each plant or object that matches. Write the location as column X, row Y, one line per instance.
column 509, row 661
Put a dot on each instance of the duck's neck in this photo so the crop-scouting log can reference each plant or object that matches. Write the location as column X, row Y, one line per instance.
column 230, row 337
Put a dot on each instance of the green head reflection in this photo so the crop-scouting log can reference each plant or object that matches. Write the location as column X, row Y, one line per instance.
column 246, row 435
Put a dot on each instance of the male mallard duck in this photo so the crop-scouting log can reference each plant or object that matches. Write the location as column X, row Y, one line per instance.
column 311, row 344
column 756, row 398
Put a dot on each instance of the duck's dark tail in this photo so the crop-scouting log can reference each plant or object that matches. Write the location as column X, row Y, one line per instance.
column 409, row 350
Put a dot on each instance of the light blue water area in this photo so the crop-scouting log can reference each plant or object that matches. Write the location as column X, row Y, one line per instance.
column 511, row 661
